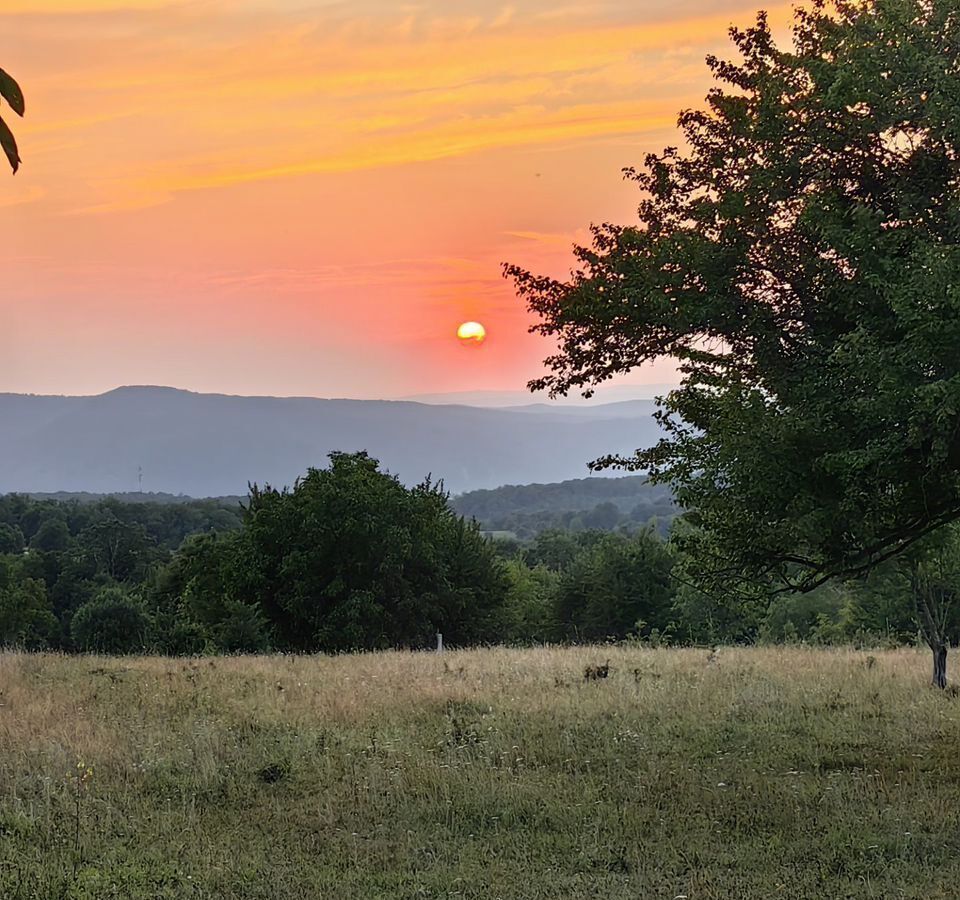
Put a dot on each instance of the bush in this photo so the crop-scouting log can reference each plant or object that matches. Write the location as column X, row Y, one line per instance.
column 174, row 634
column 52, row 536
column 813, row 617
column 614, row 583
column 528, row 613
column 242, row 630
column 112, row 622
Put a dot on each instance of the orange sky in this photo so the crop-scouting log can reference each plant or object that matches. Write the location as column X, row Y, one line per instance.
column 307, row 196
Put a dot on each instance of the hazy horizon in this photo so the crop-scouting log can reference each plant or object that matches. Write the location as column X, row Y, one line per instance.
column 605, row 395
column 213, row 444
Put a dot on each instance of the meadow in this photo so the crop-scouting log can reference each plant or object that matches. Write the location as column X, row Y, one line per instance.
column 740, row 773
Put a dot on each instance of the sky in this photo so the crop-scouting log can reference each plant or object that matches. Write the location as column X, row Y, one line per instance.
column 307, row 197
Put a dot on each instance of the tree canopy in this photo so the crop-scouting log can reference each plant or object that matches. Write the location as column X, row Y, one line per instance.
column 800, row 260
column 349, row 559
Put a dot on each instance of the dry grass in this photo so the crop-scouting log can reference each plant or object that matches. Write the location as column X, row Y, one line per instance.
column 480, row 774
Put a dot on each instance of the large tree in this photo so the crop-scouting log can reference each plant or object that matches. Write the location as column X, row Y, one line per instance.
column 349, row 559
column 800, row 259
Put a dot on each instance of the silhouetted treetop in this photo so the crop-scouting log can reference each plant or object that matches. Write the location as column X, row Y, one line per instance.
column 800, row 261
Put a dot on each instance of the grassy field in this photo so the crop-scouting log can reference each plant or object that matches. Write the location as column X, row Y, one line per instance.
column 480, row 774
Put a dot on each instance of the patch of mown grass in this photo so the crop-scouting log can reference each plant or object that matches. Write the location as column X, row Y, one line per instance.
column 749, row 773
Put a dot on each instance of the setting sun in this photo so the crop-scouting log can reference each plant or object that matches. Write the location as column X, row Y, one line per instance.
column 472, row 333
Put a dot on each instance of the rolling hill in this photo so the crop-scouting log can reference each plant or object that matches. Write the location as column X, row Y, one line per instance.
column 212, row 444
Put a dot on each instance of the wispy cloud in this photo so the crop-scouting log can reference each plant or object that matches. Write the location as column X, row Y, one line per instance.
column 184, row 97
column 333, row 183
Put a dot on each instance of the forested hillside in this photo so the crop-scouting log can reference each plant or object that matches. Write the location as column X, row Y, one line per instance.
column 579, row 504
column 210, row 445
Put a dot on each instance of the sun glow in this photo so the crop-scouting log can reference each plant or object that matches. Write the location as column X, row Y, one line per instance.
column 449, row 137
column 472, row 333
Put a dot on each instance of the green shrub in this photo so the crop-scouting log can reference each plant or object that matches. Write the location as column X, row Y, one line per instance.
column 113, row 622
column 243, row 629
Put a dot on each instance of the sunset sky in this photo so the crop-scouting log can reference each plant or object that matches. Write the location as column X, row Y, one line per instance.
column 308, row 196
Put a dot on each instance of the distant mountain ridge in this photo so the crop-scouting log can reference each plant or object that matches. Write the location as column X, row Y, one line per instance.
column 209, row 445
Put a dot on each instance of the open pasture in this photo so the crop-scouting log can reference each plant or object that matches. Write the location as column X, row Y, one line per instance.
column 782, row 772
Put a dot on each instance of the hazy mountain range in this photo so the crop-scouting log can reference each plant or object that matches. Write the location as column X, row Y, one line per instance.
column 212, row 444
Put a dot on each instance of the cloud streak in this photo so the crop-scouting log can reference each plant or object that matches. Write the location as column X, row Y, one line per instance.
column 171, row 98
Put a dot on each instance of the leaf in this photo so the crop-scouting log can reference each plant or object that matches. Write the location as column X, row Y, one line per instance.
column 10, row 91
column 9, row 144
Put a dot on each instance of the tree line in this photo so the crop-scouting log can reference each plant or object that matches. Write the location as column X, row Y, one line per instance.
column 351, row 559
column 582, row 504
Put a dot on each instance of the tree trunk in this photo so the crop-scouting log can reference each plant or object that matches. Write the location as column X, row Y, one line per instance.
column 939, row 665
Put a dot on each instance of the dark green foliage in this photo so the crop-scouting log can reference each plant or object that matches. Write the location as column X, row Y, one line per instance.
column 76, row 549
column 714, row 617
column 529, row 614
column 800, row 260
column 11, row 538
column 122, row 551
column 584, row 503
column 52, row 536
column 175, row 634
column 929, row 574
column 617, row 587
column 241, row 629
column 195, row 593
column 10, row 91
column 350, row 559
column 26, row 619
column 882, row 604
column 166, row 523
column 113, row 622
column 814, row 617
column 128, row 499
column 555, row 549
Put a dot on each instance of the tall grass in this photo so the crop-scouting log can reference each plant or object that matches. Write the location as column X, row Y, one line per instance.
column 480, row 774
